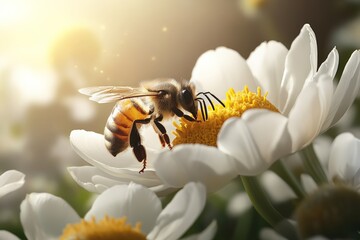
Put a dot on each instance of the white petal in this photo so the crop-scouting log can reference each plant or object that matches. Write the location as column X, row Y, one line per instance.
column 180, row 213
column 252, row 143
column 238, row 204
column 134, row 201
column 44, row 216
column 276, row 188
column 270, row 234
column 310, row 111
column 344, row 157
column 83, row 177
column 95, row 180
column 346, row 91
column 330, row 65
column 10, row 181
column 273, row 142
column 194, row 162
column 8, row 235
column 220, row 69
column 301, row 63
column 267, row 64
column 207, row 234
column 322, row 146
column 90, row 146
column 308, row 183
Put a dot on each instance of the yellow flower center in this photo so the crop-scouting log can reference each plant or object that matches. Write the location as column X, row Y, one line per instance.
column 106, row 229
column 206, row 132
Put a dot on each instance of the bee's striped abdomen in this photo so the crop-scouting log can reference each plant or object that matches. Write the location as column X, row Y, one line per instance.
column 120, row 121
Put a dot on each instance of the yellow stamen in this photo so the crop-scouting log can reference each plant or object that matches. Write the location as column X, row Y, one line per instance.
column 236, row 104
column 106, row 229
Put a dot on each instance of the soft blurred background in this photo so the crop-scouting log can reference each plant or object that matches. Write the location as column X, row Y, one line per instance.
column 50, row 49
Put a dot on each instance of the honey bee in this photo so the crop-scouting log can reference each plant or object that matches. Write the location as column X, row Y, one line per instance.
column 150, row 103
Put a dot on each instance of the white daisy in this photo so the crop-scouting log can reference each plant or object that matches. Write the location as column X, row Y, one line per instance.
column 300, row 102
column 121, row 212
column 284, row 104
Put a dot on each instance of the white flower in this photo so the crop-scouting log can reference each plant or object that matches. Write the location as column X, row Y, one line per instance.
column 305, row 97
column 342, row 163
column 10, row 181
column 344, row 160
column 302, row 100
column 47, row 217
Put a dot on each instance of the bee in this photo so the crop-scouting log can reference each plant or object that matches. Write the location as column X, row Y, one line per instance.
column 150, row 103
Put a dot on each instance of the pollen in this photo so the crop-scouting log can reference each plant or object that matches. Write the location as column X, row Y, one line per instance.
column 205, row 132
column 106, row 229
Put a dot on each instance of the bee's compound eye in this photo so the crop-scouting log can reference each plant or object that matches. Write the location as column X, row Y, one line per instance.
column 187, row 97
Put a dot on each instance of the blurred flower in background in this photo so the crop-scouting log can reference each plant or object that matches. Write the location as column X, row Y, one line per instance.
column 48, row 50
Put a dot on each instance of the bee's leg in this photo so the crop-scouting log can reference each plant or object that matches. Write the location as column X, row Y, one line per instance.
column 164, row 137
column 135, row 142
column 179, row 113
column 162, row 140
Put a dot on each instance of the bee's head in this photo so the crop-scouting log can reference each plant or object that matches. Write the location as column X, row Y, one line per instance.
column 186, row 98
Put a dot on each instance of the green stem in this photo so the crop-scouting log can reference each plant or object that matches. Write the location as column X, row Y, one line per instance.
column 260, row 201
column 282, row 171
column 313, row 165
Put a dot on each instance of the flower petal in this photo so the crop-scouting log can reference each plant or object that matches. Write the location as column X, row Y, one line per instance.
column 346, row 91
column 180, row 213
column 10, row 181
column 308, row 183
column 44, row 216
column 90, row 146
column 321, row 145
column 344, row 158
column 206, row 234
column 276, row 188
column 303, row 50
column 330, row 65
column 270, row 234
column 83, row 176
column 239, row 204
column 8, row 235
column 267, row 64
column 95, row 180
column 134, row 201
column 220, row 69
column 194, row 162
column 252, row 143
column 310, row 111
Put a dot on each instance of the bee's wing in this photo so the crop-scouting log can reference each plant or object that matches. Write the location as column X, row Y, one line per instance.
column 106, row 94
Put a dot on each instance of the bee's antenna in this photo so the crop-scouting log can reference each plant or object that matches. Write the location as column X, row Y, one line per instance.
column 211, row 103
column 217, row 99
column 203, row 108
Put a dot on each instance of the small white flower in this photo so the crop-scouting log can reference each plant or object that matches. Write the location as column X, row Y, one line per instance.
column 344, row 161
column 10, row 181
column 341, row 165
column 46, row 217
